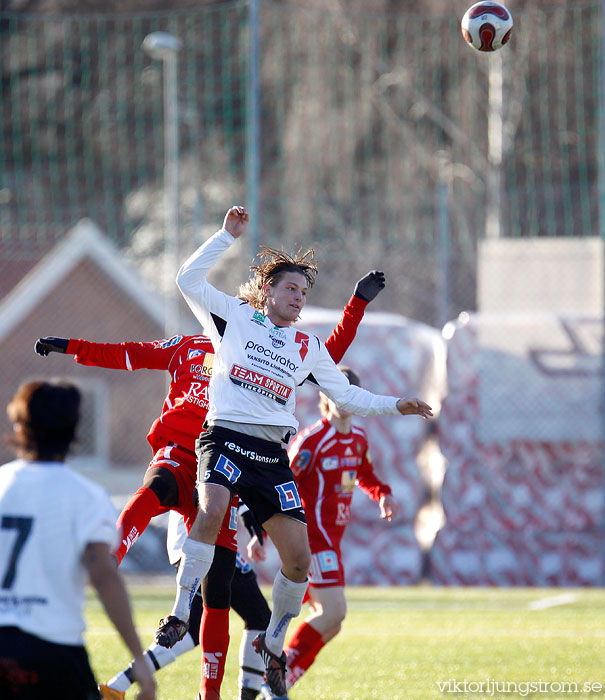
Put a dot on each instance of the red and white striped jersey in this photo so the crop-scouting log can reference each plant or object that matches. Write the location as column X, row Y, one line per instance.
column 327, row 466
column 189, row 360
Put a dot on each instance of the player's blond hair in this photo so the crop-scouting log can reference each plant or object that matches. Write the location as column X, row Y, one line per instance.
column 273, row 264
column 324, row 401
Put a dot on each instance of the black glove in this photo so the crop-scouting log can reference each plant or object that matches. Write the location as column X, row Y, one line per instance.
column 369, row 286
column 45, row 345
column 252, row 525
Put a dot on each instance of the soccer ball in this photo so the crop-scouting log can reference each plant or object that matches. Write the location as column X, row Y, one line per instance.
column 487, row 26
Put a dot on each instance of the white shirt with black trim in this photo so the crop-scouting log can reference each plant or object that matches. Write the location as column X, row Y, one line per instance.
column 257, row 365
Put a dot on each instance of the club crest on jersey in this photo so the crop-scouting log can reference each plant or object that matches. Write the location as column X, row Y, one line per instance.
column 288, row 496
column 191, row 353
column 303, row 339
column 329, row 463
column 302, row 459
column 227, row 468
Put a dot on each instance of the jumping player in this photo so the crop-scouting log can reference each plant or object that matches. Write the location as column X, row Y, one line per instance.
column 56, row 531
column 259, row 361
column 169, row 482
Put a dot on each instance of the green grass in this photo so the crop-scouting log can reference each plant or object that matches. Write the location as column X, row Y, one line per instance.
column 397, row 643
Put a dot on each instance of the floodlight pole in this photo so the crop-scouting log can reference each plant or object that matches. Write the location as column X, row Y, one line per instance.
column 164, row 47
column 253, row 126
column 495, row 121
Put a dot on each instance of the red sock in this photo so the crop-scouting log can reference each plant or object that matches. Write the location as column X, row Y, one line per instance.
column 214, row 643
column 301, row 651
column 134, row 519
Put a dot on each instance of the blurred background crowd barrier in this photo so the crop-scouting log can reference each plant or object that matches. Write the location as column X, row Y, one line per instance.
column 377, row 136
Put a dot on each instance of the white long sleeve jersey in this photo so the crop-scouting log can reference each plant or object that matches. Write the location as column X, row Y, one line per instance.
column 258, row 365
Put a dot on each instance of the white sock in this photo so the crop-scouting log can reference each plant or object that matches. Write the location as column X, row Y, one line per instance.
column 195, row 563
column 156, row 657
column 251, row 666
column 287, row 602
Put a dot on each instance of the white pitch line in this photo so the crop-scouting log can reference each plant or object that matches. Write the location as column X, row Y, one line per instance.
column 552, row 601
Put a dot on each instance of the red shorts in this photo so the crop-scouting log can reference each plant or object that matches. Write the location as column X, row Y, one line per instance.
column 182, row 463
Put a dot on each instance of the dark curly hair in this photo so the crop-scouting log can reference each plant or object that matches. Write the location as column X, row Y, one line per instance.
column 273, row 264
column 45, row 416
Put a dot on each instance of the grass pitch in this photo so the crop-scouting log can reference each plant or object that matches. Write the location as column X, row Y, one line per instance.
column 417, row 643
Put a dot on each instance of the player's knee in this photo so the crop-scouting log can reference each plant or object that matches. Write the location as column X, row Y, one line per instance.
column 163, row 483
column 213, row 500
column 340, row 612
column 334, row 616
column 297, row 562
column 304, row 561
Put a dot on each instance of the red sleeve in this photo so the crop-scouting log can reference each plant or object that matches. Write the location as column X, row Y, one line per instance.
column 344, row 333
column 368, row 482
column 130, row 356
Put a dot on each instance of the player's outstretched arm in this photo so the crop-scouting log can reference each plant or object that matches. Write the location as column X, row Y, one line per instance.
column 104, row 576
column 127, row 356
column 414, row 407
column 48, row 344
column 366, row 290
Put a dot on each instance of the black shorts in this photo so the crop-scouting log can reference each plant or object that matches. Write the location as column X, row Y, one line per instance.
column 257, row 470
column 33, row 669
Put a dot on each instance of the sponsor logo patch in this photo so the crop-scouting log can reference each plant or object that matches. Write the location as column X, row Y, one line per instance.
column 278, row 337
column 211, row 664
column 258, row 318
column 267, row 353
column 205, row 367
column 288, row 496
column 347, row 480
column 251, row 454
column 329, row 463
column 260, row 383
column 328, row 561
column 131, row 538
column 227, row 468
column 175, row 340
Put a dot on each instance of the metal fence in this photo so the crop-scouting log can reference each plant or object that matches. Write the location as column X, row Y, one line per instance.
column 380, row 137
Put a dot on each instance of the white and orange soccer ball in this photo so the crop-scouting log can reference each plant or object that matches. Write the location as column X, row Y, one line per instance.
column 487, row 26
